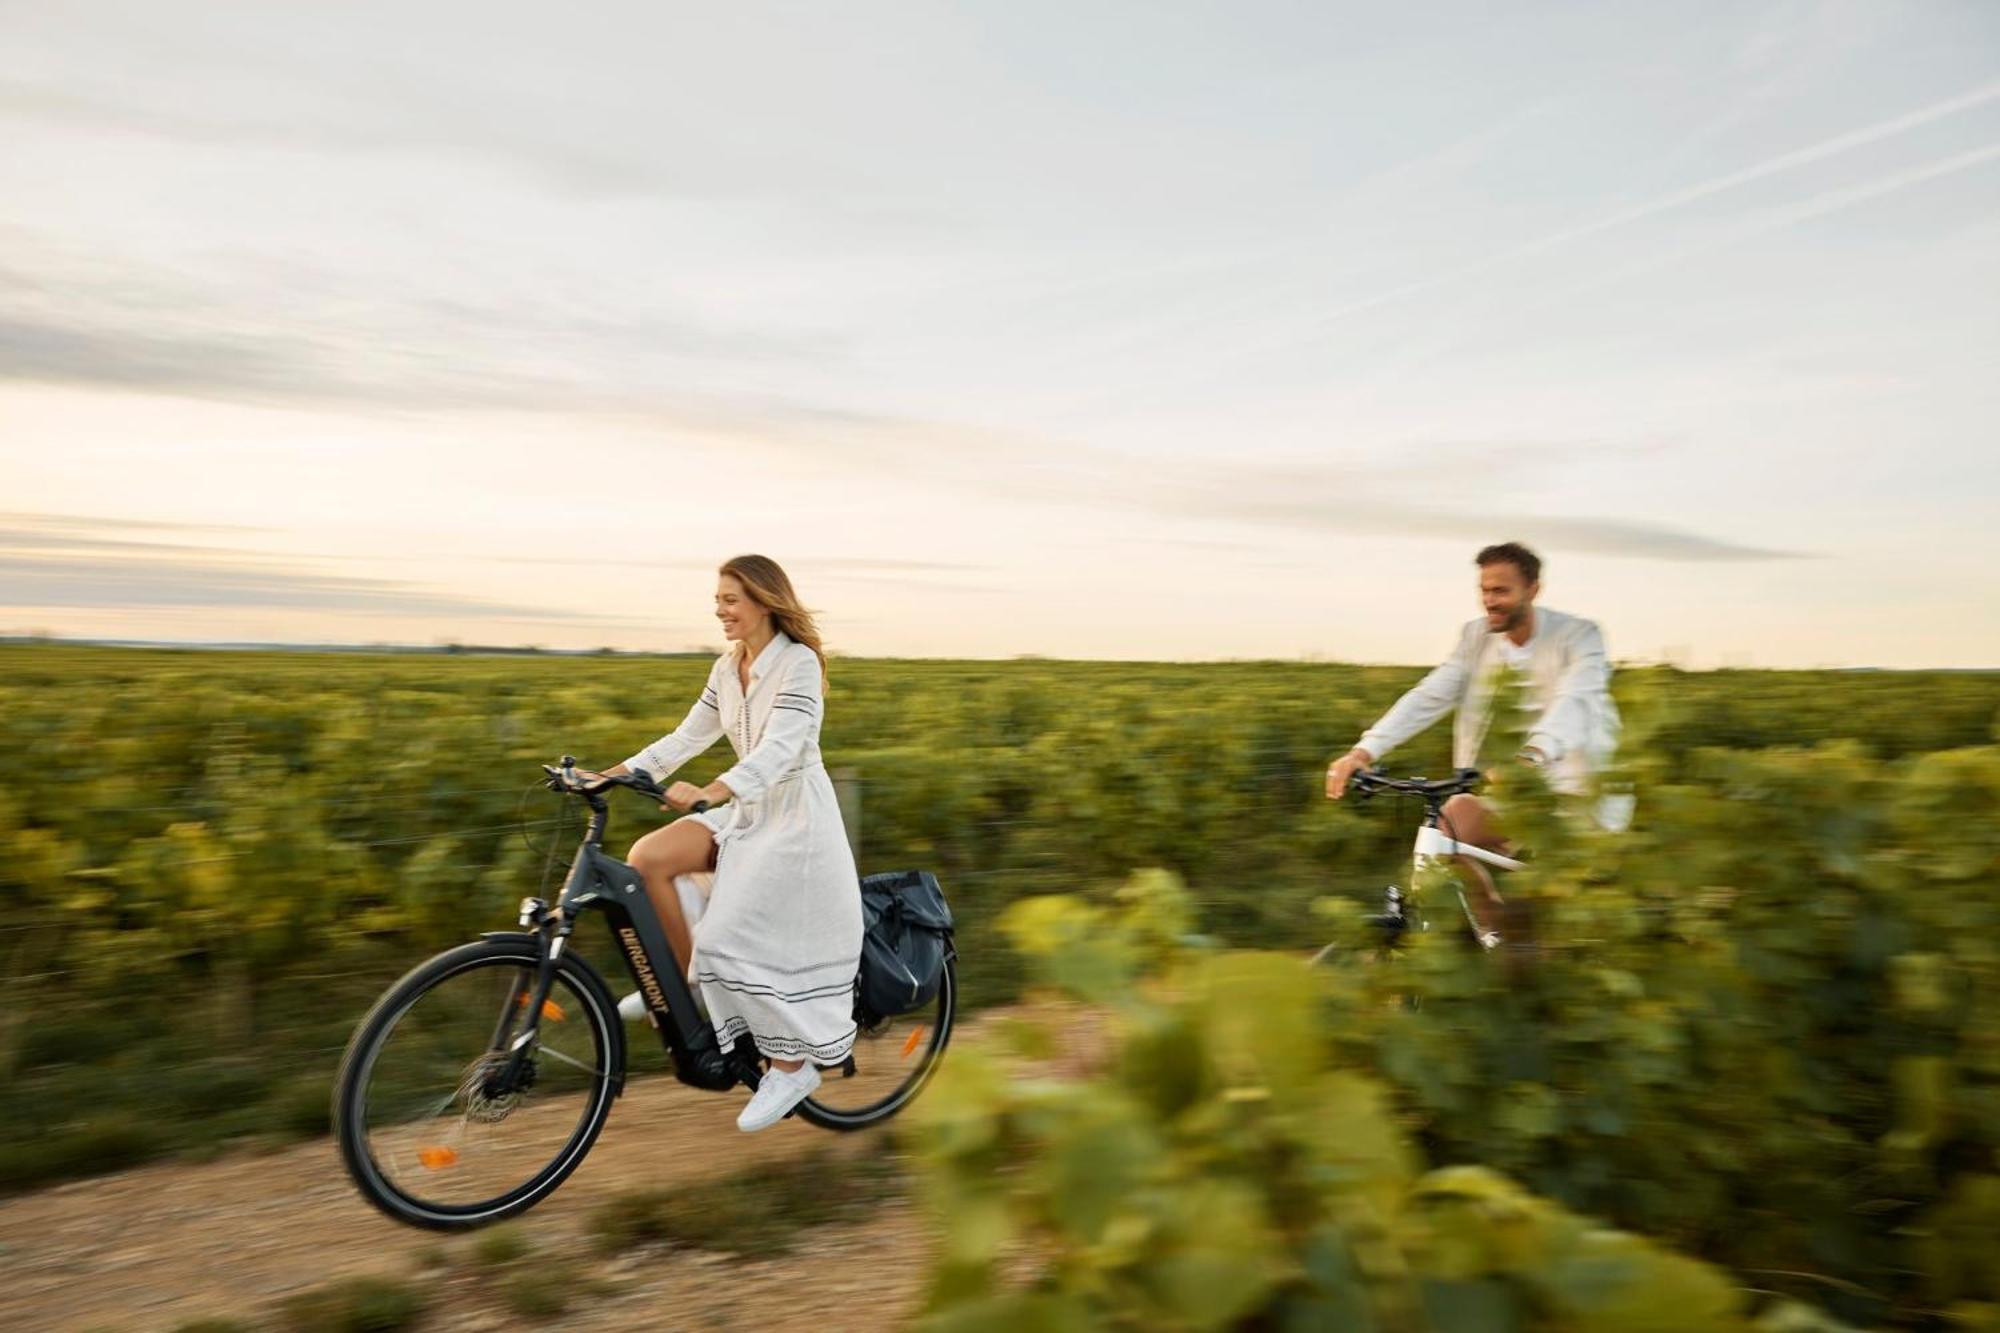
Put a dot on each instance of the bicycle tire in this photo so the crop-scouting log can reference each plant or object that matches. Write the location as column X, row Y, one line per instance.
column 815, row 1113
column 351, row 1084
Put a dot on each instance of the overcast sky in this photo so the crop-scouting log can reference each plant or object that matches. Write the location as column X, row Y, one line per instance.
column 1116, row 330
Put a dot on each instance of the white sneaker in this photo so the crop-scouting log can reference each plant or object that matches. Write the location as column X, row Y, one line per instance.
column 777, row 1093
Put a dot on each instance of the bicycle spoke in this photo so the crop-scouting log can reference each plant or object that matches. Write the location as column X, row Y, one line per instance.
column 452, row 1122
column 570, row 1060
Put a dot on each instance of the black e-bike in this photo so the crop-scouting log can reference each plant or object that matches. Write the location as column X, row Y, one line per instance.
column 477, row 1083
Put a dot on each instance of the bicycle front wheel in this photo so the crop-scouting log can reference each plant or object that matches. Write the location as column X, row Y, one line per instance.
column 893, row 1059
column 437, row 1122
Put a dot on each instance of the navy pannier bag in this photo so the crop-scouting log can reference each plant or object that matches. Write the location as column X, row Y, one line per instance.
column 905, row 943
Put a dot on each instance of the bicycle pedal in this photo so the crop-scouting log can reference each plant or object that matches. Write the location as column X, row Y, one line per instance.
column 847, row 1067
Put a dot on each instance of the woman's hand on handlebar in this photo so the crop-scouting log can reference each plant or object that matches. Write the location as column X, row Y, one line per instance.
column 594, row 782
column 684, row 796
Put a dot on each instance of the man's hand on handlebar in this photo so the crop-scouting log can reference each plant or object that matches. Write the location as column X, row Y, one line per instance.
column 1342, row 770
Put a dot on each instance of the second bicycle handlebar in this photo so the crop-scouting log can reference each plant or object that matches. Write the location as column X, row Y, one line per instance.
column 1368, row 781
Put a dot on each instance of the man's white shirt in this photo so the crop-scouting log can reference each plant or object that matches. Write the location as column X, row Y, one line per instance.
column 1567, row 686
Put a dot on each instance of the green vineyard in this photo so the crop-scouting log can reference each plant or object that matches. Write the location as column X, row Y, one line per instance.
column 1763, row 1028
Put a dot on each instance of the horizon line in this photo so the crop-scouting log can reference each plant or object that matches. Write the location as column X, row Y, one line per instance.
column 457, row 648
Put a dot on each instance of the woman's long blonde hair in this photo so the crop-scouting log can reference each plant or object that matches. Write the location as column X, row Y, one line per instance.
column 769, row 588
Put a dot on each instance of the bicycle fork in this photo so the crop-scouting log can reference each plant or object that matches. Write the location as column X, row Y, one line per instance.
column 528, row 999
column 1432, row 862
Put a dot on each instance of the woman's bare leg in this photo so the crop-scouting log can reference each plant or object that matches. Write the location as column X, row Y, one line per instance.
column 684, row 847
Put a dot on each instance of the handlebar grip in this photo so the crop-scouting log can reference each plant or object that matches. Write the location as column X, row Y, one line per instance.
column 697, row 807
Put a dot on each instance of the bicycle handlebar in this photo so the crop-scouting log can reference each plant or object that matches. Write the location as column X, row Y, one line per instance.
column 1368, row 781
column 566, row 779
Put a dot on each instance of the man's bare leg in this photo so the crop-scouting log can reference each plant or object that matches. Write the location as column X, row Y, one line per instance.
column 1468, row 819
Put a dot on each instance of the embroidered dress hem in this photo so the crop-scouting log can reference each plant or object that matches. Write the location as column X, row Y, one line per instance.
column 780, row 1047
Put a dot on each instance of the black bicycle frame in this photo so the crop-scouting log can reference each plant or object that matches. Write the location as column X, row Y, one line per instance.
column 602, row 883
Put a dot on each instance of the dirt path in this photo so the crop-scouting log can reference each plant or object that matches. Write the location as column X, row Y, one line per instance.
column 155, row 1247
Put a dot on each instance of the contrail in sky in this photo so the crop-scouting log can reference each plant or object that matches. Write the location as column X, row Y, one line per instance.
column 1826, row 148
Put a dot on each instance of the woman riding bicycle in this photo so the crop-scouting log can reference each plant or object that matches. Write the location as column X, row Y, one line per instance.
column 776, row 950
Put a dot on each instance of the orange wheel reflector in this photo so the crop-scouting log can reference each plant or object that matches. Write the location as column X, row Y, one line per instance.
column 911, row 1042
column 437, row 1159
column 552, row 1011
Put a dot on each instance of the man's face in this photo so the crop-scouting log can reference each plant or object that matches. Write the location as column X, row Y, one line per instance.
column 1506, row 596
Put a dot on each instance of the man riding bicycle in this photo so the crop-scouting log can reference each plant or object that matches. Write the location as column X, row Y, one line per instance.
column 1571, row 722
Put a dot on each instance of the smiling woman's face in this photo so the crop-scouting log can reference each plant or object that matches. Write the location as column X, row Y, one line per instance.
column 738, row 611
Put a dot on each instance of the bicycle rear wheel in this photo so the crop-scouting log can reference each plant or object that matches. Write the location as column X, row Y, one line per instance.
column 893, row 1060
column 429, row 1124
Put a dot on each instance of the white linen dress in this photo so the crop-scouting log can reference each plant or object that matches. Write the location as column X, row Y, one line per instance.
column 777, row 948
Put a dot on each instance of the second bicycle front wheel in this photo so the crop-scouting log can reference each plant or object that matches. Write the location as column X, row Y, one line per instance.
column 438, row 1123
column 893, row 1059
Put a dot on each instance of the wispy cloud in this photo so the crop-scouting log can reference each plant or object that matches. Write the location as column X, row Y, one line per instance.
column 1771, row 221
column 1783, row 162
column 96, row 523
column 83, row 562
column 77, row 562
column 923, row 575
column 85, row 582
column 79, row 531
column 350, row 127
column 1665, row 203
column 283, row 366
column 255, row 330
column 927, row 575
column 832, row 564
column 1333, row 499
column 55, row 351
column 1847, row 196
column 1340, row 501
